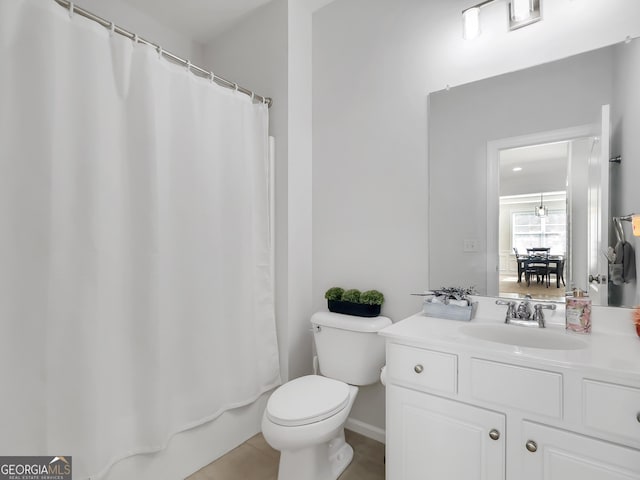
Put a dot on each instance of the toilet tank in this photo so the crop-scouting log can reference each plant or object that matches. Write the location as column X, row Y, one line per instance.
column 349, row 348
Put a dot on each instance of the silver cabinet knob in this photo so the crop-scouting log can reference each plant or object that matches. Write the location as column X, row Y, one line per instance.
column 418, row 368
column 531, row 446
column 494, row 434
column 638, row 417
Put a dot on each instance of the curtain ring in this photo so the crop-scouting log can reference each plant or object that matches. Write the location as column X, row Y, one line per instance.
column 112, row 29
column 72, row 9
column 212, row 77
column 188, row 65
column 252, row 96
column 135, row 38
column 236, row 86
column 160, row 52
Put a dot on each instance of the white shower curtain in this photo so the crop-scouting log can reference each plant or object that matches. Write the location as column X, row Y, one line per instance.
column 136, row 297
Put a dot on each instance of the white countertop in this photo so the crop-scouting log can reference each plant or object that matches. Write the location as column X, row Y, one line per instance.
column 610, row 350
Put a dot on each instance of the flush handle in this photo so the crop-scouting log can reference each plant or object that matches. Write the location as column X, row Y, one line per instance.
column 494, row 434
column 638, row 417
column 418, row 368
column 532, row 446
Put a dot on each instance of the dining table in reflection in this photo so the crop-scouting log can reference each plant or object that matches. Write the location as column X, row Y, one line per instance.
column 539, row 264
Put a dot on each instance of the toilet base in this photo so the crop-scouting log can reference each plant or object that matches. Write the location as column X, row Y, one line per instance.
column 325, row 461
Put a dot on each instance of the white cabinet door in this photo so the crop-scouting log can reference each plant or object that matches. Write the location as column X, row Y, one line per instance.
column 551, row 454
column 432, row 438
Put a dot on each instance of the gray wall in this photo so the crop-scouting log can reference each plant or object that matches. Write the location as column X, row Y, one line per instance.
column 558, row 95
column 369, row 169
column 369, row 150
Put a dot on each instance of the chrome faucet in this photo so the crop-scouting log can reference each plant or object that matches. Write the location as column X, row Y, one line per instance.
column 524, row 311
column 523, row 315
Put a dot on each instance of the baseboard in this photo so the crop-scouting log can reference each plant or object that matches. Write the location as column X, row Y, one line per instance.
column 369, row 431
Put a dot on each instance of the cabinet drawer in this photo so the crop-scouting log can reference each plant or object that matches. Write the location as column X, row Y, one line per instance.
column 422, row 369
column 527, row 389
column 612, row 409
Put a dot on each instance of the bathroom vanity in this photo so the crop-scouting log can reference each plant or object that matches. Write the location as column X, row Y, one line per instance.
column 485, row 400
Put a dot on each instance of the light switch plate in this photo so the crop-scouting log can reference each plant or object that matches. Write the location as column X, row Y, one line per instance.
column 470, row 245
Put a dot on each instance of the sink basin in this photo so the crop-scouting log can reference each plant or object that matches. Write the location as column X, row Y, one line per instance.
column 531, row 337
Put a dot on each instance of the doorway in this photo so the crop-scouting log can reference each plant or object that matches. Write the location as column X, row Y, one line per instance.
column 533, row 220
column 536, row 185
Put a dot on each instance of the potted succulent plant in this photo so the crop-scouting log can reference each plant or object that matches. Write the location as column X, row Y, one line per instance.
column 353, row 302
column 450, row 302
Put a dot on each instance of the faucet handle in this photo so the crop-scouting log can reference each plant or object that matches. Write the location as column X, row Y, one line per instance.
column 538, row 315
column 511, row 309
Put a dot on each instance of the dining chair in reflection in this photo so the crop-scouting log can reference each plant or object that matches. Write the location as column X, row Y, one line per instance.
column 521, row 261
column 537, row 265
column 556, row 267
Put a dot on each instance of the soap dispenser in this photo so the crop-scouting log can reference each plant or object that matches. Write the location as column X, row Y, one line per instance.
column 578, row 312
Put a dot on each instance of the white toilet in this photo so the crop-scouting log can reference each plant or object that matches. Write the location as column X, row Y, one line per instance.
column 305, row 417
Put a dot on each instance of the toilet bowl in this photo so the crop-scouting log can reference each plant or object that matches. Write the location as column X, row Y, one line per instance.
column 304, row 419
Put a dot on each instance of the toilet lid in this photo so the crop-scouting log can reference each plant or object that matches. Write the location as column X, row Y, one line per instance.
column 307, row 400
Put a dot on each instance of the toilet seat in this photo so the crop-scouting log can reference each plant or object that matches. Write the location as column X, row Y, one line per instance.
column 307, row 400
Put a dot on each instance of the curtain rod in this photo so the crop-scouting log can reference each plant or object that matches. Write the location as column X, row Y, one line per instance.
column 196, row 70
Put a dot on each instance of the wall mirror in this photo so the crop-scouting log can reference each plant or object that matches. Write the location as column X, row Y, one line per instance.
column 519, row 168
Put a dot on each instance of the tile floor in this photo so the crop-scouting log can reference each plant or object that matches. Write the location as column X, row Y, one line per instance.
column 256, row 460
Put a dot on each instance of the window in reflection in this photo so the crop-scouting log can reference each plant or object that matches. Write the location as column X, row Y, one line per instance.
column 529, row 230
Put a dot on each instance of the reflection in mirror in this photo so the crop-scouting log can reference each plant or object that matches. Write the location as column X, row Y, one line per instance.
column 533, row 234
column 478, row 131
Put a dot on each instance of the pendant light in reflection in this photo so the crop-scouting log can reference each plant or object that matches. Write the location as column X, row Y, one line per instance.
column 542, row 210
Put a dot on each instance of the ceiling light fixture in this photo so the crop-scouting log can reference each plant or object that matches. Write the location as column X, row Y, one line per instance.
column 471, row 23
column 519, row 9
column 521, row 14
column 471, row 20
